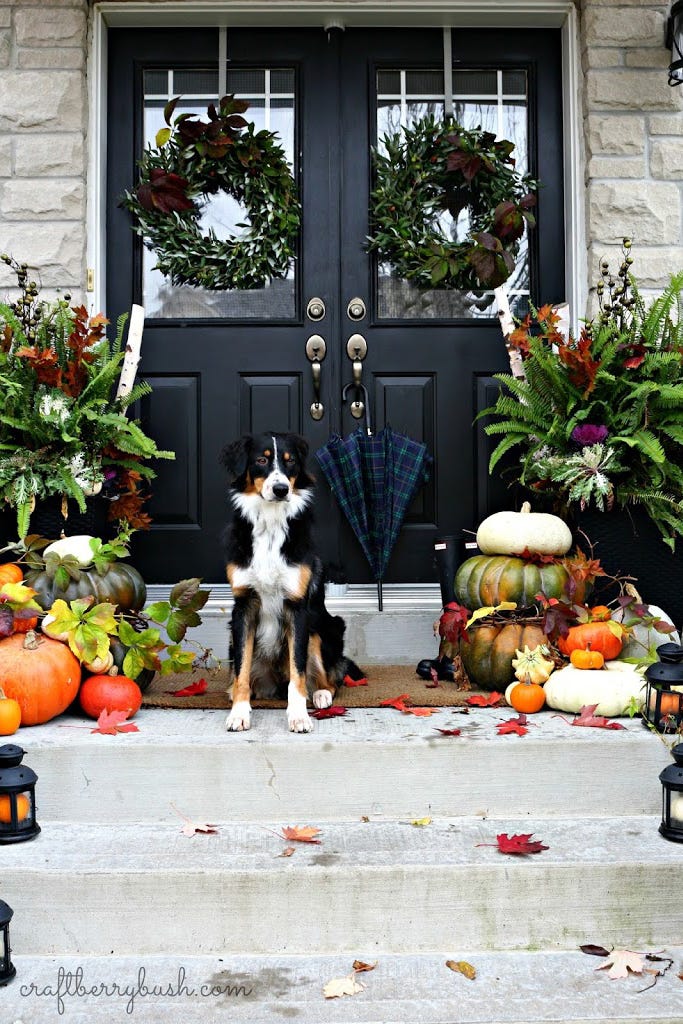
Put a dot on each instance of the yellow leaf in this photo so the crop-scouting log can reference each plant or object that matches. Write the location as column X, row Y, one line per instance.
column 462, row 967
column 162, row 137
column 421, row 822
column 481, row 613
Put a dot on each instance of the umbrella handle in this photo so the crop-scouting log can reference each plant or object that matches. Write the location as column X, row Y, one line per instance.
column 366, row 404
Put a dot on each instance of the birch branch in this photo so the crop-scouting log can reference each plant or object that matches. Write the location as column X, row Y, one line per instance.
column 131, row 359
column 507, row 326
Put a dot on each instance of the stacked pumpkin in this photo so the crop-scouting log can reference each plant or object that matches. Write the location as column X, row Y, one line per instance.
column 39, row 672
column 507, row 572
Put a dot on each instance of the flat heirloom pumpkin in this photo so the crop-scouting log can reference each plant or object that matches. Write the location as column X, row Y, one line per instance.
column 611, row 688
column 42, row 675
column 511, row 533
column 487, row 658
column 121, row 585
column 486, row 580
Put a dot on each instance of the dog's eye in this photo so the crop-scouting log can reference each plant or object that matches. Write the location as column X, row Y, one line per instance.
column 261, row 461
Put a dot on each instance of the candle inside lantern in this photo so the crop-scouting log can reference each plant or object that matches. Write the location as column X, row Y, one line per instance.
column 23, row 808
column 676, row 809
column 669, row 703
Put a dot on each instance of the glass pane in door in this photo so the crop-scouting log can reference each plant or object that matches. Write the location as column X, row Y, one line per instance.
column 270, row 93
column 488, row 98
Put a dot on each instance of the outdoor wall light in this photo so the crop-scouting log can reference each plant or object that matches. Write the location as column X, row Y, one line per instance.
column 663, row 709
column 674, row 42
column 672, row 797
column 17, row 797
column 7, row 969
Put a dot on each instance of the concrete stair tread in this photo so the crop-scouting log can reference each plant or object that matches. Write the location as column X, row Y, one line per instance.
column 510, row 988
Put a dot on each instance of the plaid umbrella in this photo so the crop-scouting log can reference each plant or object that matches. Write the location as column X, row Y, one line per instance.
column 374, row 477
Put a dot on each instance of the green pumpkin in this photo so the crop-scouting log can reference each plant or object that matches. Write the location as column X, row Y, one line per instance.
column 486, row 580
column 121, row 585
column 487, row 658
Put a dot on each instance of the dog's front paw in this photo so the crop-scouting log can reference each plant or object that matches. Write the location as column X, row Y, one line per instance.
column 322, row 699
column 239, row 718
column 297, row 715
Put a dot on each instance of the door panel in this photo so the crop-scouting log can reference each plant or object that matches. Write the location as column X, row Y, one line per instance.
column 225, row 364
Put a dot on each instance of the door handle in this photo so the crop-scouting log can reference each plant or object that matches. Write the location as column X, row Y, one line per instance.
column 356, row 350
column 315, row 353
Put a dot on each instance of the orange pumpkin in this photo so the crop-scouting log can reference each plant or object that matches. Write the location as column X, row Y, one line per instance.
column 10, row 572
column 587, row 659
column 597, row 636
column 600, row 613
column 10, row 715
column 527, row 697
column 42, row 675
column 111, row 693
column 24, row 625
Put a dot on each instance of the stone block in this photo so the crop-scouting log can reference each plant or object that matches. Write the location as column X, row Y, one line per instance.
column 34, row 26
column 665, row 124
column 603, row 57
column 630, row 89
column 652, row 266
column 34, row 100
column 666, row 158
column 5, row 158
column 30, row 199
column 5, row 49
column 649, row 212
column 55, row 250
column 51, row 58
column 616, row 134
column 5, row 17
column 616, row 167
column 644, row 58
column 604, row 27
column 51, row 154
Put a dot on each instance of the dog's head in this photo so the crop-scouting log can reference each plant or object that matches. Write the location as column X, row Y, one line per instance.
column 272, row 466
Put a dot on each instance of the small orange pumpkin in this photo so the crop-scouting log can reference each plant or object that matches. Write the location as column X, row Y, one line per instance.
column 527, row 697
column 24, row 625
column 597, row 636
column 587, row 659
column 600, row 613
column 10, row 572
column 10, row 715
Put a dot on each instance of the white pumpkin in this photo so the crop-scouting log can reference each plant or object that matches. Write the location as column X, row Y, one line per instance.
column 570, row 689
column 78, row 546
column 641, row 639
column 511, row 533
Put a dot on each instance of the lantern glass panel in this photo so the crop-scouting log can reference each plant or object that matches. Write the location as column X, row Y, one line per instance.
column 16, row 811
column 3, row 949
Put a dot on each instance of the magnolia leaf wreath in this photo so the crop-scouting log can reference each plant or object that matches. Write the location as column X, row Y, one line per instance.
column 436, row 166
column 194, row 160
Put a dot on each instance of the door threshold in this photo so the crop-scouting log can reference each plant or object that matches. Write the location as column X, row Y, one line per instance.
column 358, row 597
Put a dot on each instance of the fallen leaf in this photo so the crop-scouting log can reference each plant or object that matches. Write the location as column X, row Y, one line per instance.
column 334, row 711
column 359, row 966
column 400, row 702
column 297, row 834
column 193, row 690
column 420, row 712
column 586, row 716
column 348, row 681
column 287, row 852
column 594, row 950
column 448, row 732
column 421, row 822
column 365, row 818
column 516, row 845
column 111, row 722
column 620, row 962
column 462, row 967
column 516, row 725
column 478, row 700
column 347, row 986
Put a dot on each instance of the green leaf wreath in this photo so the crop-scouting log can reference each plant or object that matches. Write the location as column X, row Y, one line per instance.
column 195, row 159
column 436, row 166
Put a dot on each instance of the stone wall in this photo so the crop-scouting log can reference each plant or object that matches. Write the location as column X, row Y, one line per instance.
column 634, row 138
column 43, row 123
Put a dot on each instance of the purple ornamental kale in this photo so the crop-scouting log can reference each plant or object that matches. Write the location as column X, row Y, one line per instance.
column 589, row 433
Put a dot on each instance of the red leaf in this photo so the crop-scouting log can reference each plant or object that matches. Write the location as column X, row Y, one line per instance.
column 297, row 834
column 453, row 622
column 449, row 732
column 111, row 722
column 190, row 691
column 479, row 701
column 348, row 681
column 420, row 712
column 400, row 703
column 519, row 845
column 334, row 711
column 516, row 725
column 587, row 717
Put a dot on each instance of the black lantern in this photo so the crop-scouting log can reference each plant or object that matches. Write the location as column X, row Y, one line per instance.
column 7, row 970
column 674, row 42
column 672, row 797
column 664, row 696
column 17, row 797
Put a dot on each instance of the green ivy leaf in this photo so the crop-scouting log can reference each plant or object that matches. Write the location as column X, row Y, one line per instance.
column 175, row 627
column 102, row 615
column 127, row 635
column 159, row 611
column 184, row 591
column 133, row 663
column 89, row 642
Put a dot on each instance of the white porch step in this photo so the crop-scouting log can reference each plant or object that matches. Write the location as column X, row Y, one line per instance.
column 378, row 886
column 510, row 988
column 373, row 762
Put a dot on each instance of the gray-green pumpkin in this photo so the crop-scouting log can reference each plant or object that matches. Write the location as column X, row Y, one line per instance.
column 121, row 585
column 486, row 580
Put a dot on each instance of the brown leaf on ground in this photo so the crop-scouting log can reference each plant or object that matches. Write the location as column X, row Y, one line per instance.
column 594, row 950
column 462, row 967
column 287, row 852
column 299, row 834
column 359, row 966
column 620, row 962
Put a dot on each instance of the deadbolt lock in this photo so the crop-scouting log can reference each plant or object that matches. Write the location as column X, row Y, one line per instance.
column 356, row 309
column 315, row 310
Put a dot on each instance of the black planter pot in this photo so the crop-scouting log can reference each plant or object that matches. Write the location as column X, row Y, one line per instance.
column 629, row 544
column 48, row 521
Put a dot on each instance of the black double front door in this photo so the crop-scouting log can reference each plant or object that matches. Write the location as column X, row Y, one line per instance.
column 224, row 364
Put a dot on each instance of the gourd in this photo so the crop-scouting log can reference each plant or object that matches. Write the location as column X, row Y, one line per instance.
column 598, row 636
column 485, row 580
column 570, row 689
column 42, row 675
column 526, row 697
column 531, row 666
column 586, row 660
column 121, row 585
column 78, row 547
column 487, row 658
column 10, row 714
column 511, row 533
column 111, row 693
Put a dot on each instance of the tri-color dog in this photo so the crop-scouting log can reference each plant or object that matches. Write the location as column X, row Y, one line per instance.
column 283, row 637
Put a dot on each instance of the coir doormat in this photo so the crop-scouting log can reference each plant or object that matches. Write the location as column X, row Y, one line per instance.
column 384, row 683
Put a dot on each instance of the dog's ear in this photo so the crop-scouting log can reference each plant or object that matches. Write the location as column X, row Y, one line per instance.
column 235, row 457
column 300, row 445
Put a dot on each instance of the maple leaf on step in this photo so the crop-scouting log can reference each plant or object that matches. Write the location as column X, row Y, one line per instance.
column 297, row 834
column 191, row 828
column 448, row 732
column 190, row 691
column 400, row 702
column 519, row 845
column 347, row 986
column 587, row 717
column 348, row 681
column 620, row 962
column 491, row 700
column 111, row 722
column 516, row 725
column 334, row 711
column 420, row 712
